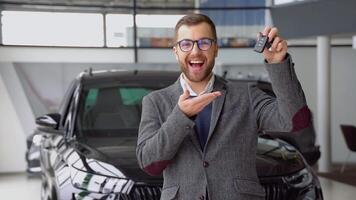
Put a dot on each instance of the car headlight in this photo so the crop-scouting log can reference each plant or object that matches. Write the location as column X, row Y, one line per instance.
column 98, row 183
column 301, row 179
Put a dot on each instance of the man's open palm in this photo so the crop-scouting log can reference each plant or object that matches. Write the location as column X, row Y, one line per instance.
column 192, row 106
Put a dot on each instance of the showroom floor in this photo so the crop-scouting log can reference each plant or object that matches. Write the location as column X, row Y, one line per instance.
column 20, row 187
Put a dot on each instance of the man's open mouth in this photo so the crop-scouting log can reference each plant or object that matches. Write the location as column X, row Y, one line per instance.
column 196, row 65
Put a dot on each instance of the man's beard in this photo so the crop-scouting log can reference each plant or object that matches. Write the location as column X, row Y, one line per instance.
column 191, row 77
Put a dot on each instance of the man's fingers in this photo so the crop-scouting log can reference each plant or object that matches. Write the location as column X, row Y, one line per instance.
column 275, row 43
column 266, row 30
column 185, row 95
column 205, row 99
column 280, row 46
column 193, row 106
column 272, row 33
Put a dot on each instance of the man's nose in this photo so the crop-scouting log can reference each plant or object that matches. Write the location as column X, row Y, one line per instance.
column 195, row 48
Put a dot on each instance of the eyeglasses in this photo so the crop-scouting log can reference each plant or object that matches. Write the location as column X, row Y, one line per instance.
column 203, row 44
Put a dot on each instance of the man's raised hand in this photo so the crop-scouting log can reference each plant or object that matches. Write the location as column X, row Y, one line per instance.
column 278, row 50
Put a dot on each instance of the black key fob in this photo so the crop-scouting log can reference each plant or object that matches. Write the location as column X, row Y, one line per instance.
column 261, row 44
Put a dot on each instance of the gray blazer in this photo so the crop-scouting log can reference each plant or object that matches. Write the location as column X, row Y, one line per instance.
column 225, row 168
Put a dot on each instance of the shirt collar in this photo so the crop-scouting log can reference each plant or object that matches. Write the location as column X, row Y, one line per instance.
column 186, row 86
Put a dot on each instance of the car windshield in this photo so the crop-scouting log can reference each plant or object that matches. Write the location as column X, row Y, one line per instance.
column 110, row 111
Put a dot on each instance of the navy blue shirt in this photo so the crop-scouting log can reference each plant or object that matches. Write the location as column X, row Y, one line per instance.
column 202, row 124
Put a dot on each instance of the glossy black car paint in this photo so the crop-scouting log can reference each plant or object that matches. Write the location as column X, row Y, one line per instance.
column 32, row 156
column 78, row 163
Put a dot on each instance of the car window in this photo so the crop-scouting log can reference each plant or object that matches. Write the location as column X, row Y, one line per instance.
column 133, row 96
column 109, row 109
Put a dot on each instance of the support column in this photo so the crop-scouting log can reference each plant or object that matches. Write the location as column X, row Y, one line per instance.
column 323, row 102
column 268, row 17
column 197, row 6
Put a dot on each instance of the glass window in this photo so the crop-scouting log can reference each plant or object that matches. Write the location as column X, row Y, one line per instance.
column 280, row 2
column 230, row 3
column 133, row 96
column 237, row 28
column 119, row 30
column 90, row 99
column 111, row 108
column 166, row 3
column 153, row 31
column 52, row 29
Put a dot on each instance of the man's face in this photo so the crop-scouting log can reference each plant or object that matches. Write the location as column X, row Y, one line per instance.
column 196, row 64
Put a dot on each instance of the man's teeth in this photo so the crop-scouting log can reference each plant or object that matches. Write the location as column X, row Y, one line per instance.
column 196, row 61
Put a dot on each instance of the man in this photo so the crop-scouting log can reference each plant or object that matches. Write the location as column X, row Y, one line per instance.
column 201, row 132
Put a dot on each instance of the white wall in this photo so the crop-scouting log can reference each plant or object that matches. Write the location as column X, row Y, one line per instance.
column 343, row 97
column 12, row 137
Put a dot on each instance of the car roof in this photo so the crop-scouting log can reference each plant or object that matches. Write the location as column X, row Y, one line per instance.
column 145, row 77
column 127, row 76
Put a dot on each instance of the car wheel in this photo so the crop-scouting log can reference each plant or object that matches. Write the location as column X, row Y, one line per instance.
column 53, row 194
column 48, row 192
column 45, row 194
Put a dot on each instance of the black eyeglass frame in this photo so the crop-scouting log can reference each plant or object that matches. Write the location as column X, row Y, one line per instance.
column 212, row 41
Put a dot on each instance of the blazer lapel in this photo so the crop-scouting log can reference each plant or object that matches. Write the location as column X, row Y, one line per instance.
column 219, row 85
column 176, row 92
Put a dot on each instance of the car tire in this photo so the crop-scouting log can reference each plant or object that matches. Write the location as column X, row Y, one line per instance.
column 48, row 191
column 44, row 190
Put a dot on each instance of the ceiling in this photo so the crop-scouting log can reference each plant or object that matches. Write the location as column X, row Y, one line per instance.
column 327, row 17
column 101, row 3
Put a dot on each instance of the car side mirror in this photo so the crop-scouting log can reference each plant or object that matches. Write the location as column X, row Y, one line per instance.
column 49, row 121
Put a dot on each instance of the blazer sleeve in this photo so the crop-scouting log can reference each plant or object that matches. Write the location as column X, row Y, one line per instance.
column 288, row 111
column 158, row 141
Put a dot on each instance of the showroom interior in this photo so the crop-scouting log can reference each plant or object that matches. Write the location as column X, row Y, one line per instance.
column 46, row 44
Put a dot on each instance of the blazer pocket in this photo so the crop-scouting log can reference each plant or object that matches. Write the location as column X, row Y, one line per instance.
column 169, row 193
column 248, row 187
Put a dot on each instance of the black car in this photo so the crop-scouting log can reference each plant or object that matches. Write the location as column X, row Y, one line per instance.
column 32, row 155
column 88, row 147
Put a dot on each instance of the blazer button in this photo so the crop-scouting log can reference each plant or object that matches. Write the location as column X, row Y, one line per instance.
column 187, row 127
column 201, row 197
column 205, row 164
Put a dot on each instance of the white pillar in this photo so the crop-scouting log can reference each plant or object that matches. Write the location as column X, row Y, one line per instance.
column 323, row 102
column 197, row 6
column 268, row 17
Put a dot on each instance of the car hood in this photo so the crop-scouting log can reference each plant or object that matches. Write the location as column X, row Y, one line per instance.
column 276, row 157
column 119, row 152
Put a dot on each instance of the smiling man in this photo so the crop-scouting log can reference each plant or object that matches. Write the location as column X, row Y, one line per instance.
column 201, row 132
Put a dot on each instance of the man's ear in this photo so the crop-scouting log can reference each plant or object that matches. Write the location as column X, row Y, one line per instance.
column 175, row 52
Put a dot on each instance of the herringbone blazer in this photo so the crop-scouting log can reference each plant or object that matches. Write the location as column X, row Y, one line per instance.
column 226, row 168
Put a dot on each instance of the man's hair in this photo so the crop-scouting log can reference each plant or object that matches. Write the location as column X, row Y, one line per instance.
column 194, row 19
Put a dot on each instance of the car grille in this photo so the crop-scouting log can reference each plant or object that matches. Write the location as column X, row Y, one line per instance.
column 273, row 192
column 143, row 192
column 276, row 191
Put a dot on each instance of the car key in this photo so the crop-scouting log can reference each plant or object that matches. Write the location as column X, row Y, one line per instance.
column 262, row 43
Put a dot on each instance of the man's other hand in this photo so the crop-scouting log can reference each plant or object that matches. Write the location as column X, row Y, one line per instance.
column 192, row 106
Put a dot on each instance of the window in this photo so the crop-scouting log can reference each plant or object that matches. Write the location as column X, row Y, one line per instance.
column 52, row 29
column 237, row 23
column 109, row 109
column 153, row 31
column 119, row 30
column 237, row 28
column 280, row 2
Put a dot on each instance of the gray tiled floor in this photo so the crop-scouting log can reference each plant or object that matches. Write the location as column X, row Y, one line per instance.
column 333, row 190
column 20, row 187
